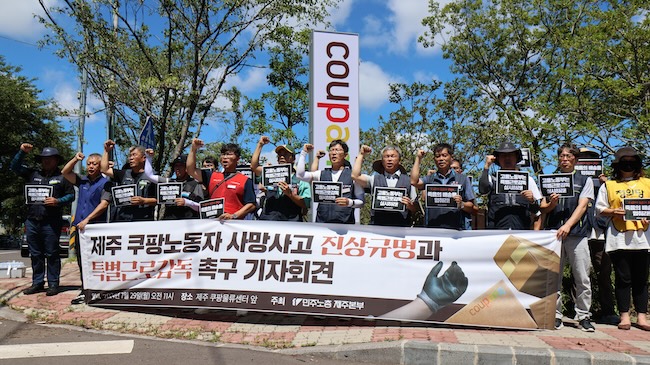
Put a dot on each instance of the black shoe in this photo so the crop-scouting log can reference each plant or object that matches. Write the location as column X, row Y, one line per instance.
column 80, row 299
column 586, row 325
column 558, row 323
column 52, row 290
column 34, row 289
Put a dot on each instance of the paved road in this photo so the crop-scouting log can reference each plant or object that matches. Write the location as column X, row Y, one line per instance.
column 25, row 343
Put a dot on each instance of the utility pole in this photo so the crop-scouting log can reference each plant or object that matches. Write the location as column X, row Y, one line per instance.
column 82, row 116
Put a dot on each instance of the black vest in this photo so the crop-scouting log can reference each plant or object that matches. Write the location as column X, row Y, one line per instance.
column 60, row 188
column 565, row 207
column 132, row 212
column 332, row 213
column 192, row 191
column 388, row 218
column 451, row 218
column 508, row 211
column 281, row 207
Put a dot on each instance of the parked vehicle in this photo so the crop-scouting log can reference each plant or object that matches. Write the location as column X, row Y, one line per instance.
column 64, row 240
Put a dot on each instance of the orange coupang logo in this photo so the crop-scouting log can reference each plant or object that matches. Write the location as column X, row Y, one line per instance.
column 487, row 300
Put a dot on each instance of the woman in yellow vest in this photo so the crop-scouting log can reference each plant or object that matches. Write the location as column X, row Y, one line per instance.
column 627, row 240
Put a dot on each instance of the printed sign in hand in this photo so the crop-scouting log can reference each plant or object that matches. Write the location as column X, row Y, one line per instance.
column 272, row 175
column 388, row 199
column 590, row 167
column 556, row 184
column 168, row 192
column 122, row 194
column 326, row 192
column 511, row 181
column 526, row 158
column 246, row 171
column 36, row 194
column 441, row 196
column 211, row 209
column 636, row 209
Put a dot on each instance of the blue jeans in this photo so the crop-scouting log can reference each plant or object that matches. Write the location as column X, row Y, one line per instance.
column 43, row 243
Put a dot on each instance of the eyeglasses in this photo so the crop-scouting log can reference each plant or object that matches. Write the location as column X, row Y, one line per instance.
column 566, row 156
column 336, row 150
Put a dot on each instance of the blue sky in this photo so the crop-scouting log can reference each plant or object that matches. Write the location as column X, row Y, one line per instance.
column 388, row 32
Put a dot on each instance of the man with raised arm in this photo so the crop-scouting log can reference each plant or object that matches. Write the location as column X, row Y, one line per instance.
column 44, row 219
column 92, row 202
column 286, row 202
column 509, row 210
column 236, row 189
column 143, row 204
column 352, row 193
column 444, row 217
column 390, row 173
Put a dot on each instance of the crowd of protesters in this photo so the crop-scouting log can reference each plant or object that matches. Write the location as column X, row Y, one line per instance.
column 591, row 222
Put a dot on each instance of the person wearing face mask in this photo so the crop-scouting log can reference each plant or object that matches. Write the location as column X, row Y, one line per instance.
column 452, row 218
column 627, row 241
column 352, row 193
column 389, row 172
column 286, row 202
column 509, row 210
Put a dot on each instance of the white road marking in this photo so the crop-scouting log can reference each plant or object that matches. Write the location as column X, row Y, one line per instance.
column 66, row 349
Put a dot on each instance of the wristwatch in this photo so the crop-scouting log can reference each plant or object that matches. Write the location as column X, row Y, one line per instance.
column 234, row 216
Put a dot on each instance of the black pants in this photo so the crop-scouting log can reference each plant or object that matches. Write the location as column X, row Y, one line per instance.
column 603, row 269
column 631, row 273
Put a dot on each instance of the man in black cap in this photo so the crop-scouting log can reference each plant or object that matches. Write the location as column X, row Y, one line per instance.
column 187, row 205
column 285, row 202
column 509, row 210
column 44, row 220
column 389, row 173
column 143, row 203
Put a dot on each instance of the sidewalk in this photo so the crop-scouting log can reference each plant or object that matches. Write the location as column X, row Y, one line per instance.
column 378, row 342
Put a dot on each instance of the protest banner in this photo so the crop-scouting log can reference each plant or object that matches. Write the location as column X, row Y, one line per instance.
column 491, row 278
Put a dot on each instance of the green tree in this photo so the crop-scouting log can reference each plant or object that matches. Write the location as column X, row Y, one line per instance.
column 285, row 107
column 169, row 59
column 24, row 118
column 544, row 72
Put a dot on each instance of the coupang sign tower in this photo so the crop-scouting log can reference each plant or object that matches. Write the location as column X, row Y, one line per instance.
column 334, row 90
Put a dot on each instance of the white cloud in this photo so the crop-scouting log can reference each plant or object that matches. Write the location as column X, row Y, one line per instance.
column 373, row 33
column 251, row 81
column 339, row 15
column 66, row 95
column 17, row 18
column 406, row 21
column 425, row 76
column 373, row 84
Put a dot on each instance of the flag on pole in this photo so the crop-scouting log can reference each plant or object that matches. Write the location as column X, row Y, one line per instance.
column 147, row 138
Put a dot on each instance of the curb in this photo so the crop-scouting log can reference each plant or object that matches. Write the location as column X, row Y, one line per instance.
column 426, row 353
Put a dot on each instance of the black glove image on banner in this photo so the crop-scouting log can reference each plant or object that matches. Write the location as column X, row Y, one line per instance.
column 437, row 292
